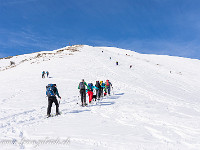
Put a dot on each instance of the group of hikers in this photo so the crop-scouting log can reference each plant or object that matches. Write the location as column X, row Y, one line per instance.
column 43, row 74
column 100, row 88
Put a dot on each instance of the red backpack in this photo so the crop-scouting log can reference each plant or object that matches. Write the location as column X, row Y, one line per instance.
column 107, row 83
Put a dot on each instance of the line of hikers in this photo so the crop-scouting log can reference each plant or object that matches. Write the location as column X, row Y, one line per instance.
column 101, row 90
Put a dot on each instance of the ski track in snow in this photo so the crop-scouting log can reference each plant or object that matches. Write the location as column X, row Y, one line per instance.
column 150, row 108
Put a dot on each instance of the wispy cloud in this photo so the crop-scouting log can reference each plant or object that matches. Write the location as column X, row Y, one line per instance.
column 26, row 41
column 161, row 47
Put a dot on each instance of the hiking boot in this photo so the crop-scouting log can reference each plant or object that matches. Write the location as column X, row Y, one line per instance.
column 57, row 113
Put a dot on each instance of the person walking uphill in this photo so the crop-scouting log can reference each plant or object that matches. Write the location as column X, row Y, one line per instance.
column 82, row 88
column 51, row 92
column 108, row 85
column 98, row 91
column 43, row 74
column 47, row 74
column 90, row 91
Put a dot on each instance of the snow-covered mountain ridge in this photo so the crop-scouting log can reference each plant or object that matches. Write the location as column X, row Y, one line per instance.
column 154, row 105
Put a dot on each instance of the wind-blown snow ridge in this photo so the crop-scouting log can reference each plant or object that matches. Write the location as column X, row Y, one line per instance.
column 153, row 105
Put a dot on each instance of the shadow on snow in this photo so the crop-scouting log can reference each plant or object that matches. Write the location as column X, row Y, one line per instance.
column 106, row 103
column 120, row 94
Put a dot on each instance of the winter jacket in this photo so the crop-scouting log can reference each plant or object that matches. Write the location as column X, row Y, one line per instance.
column 84, row 83
column 109, row 84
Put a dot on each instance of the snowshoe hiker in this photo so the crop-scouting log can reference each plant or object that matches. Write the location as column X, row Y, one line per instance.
column 130, row 66
column 108, row 85
column 51, row 92
column 98, row 90
column 82, row 88
column 43, row 74
column 90, row 92
column 103, row 88
column 47, row 74
column 117, row 63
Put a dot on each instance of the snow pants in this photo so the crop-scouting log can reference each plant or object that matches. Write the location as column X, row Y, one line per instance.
column 108, row 89
column 90, row 94
column 83, row 96
column 52, row 100
column 101, row 91
column 98, row 93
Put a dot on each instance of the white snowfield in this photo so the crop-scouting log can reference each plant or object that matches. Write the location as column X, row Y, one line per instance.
column 155, row 105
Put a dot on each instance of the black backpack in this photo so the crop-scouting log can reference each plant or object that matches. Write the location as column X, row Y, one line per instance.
column 82, row 86
column 98, row 85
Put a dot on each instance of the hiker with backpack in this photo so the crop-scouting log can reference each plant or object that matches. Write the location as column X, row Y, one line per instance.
column 90, row 91
column 101, row 82
column 51, row 92
column 47, row 74
column 98, row 91
column 107, row 86
column 103, row 89
column 43, row 74
column 82, row 88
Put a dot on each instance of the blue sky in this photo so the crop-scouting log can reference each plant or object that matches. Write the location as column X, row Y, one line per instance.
column 164, row 27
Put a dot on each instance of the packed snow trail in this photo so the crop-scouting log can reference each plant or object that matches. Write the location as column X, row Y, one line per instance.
column 154, row 105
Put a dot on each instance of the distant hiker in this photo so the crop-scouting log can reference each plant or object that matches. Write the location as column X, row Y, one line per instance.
column 51, row 92
column 43, row 74
column 110, row 57
column 107, row 86
column 130, row 66
column 47, row 74
column 117, row 63
column 82, row 88
column 12, row 63
column 98, row 90
column 102, row 51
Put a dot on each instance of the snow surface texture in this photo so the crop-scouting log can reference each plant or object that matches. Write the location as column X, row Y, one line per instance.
column 154, row 105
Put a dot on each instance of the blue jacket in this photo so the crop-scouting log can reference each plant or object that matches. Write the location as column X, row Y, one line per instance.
column 93, row 87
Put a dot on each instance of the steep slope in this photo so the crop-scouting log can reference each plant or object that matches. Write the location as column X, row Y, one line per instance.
column 154, row 105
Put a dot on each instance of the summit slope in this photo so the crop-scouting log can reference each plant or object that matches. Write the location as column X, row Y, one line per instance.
column 154, row 105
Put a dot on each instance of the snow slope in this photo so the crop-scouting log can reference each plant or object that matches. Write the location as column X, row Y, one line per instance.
column 154, row 105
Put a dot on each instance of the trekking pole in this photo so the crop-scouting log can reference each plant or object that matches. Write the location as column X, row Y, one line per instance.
column 77, row 99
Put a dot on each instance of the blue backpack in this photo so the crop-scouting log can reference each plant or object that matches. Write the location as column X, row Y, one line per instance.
column 50, row 88
column 90, row 85
column 103, row 85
